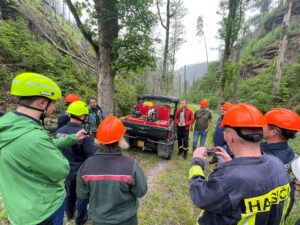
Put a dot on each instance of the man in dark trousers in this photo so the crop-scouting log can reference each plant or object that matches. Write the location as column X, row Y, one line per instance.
column 76, row 154
column 183, row 118
column 111, row 181
column 95, row 117
column 252, row 188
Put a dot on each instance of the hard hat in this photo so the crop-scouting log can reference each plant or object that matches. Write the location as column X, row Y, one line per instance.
column 283, row 118
column 78, row 108
column 71, row 98
column 33, row 84
column 226, row 106
column 204, row 103
column 244, row 115
column 148, row 103
column 296, row 168
column 110, row 130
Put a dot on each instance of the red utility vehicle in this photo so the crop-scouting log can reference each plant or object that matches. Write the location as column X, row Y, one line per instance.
column 151, row 125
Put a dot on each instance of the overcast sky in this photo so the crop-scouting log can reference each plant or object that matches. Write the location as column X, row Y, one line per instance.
column 193, row 51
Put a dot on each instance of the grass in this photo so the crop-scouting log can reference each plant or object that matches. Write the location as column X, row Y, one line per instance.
column 169, row 202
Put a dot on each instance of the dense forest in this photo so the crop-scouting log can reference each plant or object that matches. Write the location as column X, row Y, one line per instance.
column 49, row 37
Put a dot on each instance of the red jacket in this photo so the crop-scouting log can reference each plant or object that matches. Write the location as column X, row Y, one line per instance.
column 189, row 117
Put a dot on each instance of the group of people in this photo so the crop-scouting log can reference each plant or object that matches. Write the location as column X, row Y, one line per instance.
column 41, row 177
column 186, row 119
column 94, row 116
column 252, row 183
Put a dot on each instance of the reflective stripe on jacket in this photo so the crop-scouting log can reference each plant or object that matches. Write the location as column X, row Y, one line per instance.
column 246, row 190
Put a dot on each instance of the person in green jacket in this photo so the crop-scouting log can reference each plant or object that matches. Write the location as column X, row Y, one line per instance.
column 112, row 182
column 32, row 168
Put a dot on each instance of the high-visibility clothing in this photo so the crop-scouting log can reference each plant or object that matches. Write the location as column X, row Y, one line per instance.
column 246, row 190
column 32, row 169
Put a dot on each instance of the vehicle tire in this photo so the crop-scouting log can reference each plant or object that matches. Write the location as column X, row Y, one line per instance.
column 165, row 149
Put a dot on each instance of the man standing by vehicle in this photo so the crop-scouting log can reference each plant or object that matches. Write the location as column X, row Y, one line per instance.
column 203, row 121
column 283, row 125
column 63, row 118
column 76, row 154
column 251, row 188
column 112, row 182
column 183, row 118
column 95, row 117
column 32, row 167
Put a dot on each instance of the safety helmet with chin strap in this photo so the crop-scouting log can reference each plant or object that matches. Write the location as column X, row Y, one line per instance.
column 77, row 109
column 33, row 84
column 245, row 116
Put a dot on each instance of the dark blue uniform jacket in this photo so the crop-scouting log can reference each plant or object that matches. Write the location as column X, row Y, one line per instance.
column 63, row 119
column 77, row 153
column 246, row 190
column 281, row 150
column 218, row 138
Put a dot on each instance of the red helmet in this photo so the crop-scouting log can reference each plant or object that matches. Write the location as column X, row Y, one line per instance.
column 204, row 103
column 283, row 118
column 244, row 115
column 226, row 106
column 110, row 130
column 71, row 98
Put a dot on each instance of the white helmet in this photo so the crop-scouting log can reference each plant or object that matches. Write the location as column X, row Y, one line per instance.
column 296, row 168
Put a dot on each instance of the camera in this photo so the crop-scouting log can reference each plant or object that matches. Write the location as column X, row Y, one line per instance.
column 212, row 151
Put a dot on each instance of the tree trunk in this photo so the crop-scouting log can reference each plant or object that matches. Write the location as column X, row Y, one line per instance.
column 108, row 31
column 205, row 49
column 282, row 47
column 179, row 87
column 237, row 79
column 164, row 67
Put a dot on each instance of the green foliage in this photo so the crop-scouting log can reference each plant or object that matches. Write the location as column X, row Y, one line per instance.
column 255, row 45
column 127, row 87
column 135, row 52
column 125, row 94
column 132, row 49
column 22, row 51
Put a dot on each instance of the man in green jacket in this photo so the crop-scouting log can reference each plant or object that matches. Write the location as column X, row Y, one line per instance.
column 32, row 168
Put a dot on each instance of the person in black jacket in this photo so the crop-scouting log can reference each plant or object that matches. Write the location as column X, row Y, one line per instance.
column 112, row 182
column 251, row 188
column 76, row 154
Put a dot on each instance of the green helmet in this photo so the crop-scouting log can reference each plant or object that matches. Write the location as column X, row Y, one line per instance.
column 33, row 84
column 78, row 108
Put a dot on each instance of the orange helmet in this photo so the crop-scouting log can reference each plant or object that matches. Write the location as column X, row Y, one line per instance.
column 71, row 98
column 283, row 118
column 226, row 106
column 110, row 130
column 204, row 103
column 244, row 115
